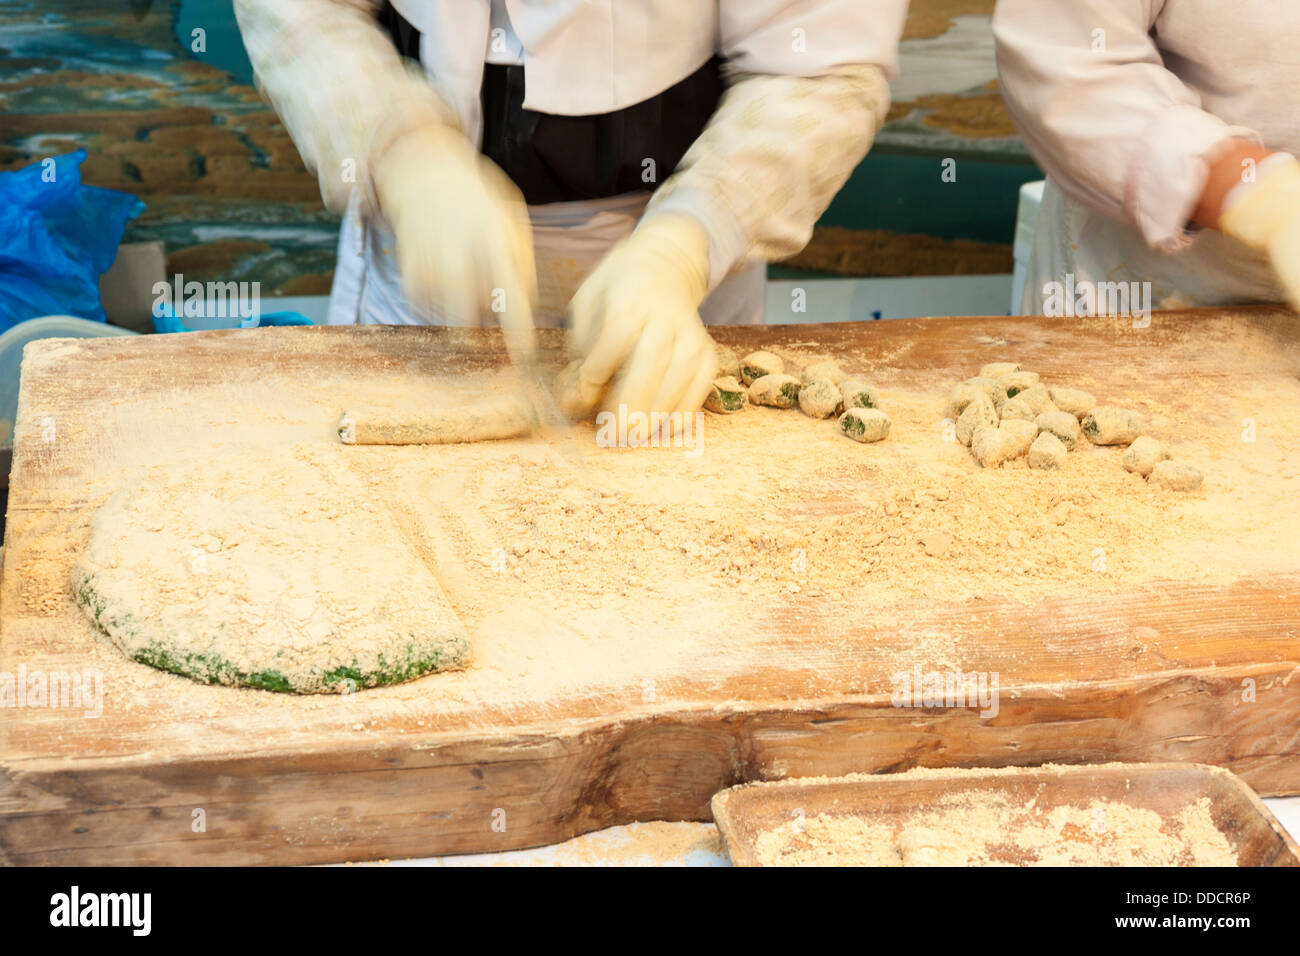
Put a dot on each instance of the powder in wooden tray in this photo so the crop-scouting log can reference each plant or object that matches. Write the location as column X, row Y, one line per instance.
column 986, row 828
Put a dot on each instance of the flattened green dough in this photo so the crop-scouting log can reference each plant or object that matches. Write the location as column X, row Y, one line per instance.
column 298, row 583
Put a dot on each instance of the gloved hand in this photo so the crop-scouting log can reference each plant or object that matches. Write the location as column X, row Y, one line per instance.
column 1265, row 215
column 464, row 242
column 635, row 322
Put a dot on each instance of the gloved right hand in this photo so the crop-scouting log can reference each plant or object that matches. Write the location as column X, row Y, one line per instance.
column 464, row 241
column 1265, row 215
column 636, row 323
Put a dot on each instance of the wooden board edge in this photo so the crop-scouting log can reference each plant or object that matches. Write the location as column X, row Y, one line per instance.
column 376, row 802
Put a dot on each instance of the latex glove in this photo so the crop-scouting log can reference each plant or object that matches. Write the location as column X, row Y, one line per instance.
column 1265, row 215
column 635, row 322
column 464, row 241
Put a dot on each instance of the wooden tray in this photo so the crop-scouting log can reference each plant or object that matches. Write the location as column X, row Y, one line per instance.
column 791, row 684
column 746, row 812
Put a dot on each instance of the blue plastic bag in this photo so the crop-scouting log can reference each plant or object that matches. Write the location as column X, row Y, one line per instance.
column 57, row 237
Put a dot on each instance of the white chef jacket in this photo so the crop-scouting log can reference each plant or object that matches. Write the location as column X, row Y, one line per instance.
column 585, row 57
column 756, row 187
column 1121, row 103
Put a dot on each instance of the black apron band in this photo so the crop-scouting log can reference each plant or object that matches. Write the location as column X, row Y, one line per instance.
column 405, row 37
column 554, row 158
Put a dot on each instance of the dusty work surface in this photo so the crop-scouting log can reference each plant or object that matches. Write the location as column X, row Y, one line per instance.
column 652, row 625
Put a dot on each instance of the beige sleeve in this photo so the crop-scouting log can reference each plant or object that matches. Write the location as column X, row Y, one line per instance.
column 338, row 84
column 1111, row 125
column 772, row 158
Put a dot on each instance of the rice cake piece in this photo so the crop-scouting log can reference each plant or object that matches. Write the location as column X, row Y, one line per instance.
column 1110, row 425
column 865, row 424
column 726, row 396
column 1009, row 440
column 819, row 399
column 856, row 393
column 1143, row 455
column 757, row 364
column 1061, row 424
column 777, row 390
column 1073, row 400
column 978, row 414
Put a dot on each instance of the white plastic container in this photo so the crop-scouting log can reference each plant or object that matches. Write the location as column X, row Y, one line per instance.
column 11, row 356
column 1031, row 197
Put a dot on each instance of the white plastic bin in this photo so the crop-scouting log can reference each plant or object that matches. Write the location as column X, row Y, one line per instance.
column 11, row 356
column 1031, row 197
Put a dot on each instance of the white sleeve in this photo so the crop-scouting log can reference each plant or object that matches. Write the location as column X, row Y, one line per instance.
column 338, row 84
column 1114, row 128
column 808, row 90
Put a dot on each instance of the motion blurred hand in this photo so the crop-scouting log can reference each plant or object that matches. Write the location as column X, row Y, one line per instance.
column 464, row 242
column 1265, row 215
column 635, row 322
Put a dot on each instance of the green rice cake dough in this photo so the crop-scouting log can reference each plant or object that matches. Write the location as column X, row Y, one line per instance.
column 726, row 396
column 966, row 392
column 1019, row 409
column 728, row 362
column 296, row 580
column 1010, row 440
column 776, row 390
column 1143, row 455
column 820, row 399
column 1109, row 425
column 1036, row 397
column 1047, row 453
column 1073, row 400
column 1061, row 424
column 978, row 414
column 858, row 394
column 865, row 424
column 1176, row 476
column 757, row 364
column 825, row 371
column 1017, row 381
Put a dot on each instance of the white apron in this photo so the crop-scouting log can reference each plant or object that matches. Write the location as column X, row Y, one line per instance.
column 1074, row 239
column 569, row 240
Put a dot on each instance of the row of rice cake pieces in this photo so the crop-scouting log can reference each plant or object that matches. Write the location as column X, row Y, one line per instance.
column 822, row 390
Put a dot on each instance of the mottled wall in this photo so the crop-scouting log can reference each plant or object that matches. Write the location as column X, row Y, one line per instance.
column 228, row 195
column 223, row 183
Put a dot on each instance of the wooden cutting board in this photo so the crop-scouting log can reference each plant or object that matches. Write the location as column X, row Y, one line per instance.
column 724, row 620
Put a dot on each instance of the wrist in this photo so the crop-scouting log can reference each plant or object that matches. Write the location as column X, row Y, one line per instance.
column 1232, row 164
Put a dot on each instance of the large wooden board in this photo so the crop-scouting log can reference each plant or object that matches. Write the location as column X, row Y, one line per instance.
column 628, row 697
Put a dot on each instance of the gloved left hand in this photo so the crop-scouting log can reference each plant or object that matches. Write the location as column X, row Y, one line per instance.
column 1265, row 215
column 635, row 322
